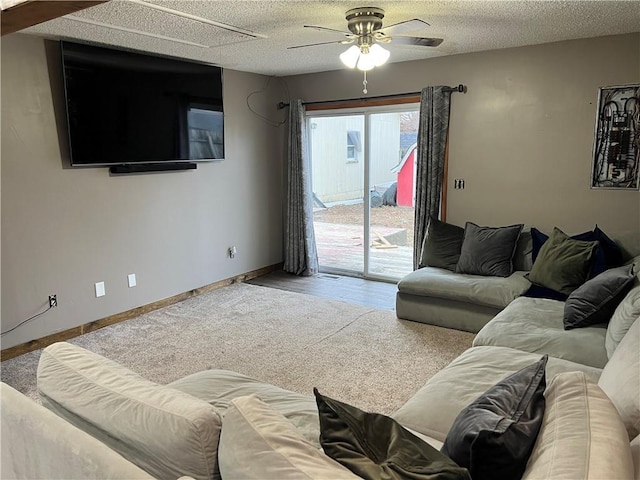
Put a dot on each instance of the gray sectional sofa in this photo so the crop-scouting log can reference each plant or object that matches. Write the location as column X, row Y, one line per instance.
column 217, row 423
column 438, row 295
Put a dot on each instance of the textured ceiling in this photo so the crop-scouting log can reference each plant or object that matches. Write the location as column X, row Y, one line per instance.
column 466, row 26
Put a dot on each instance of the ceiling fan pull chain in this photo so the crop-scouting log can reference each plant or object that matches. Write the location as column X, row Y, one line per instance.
column 364, row 83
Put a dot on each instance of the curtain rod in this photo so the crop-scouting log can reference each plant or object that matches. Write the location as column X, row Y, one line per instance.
column 460, row 88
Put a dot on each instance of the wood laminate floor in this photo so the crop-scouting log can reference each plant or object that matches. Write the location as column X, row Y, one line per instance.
column 380, row 295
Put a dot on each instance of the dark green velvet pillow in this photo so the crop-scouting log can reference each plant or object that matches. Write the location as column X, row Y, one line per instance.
column 442, row 244
column 563, row 264
column 494, row 436
column 488, row 250
column 374, row 446
column 595, row 301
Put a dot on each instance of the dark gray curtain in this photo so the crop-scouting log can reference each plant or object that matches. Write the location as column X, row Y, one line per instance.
column 432, row 140
column 300, row 255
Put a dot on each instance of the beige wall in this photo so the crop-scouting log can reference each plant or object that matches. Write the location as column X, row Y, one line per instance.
column 65, row 229
column 522, row 136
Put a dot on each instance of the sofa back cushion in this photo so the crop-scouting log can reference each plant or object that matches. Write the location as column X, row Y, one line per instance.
column 620, row 379
column 623, row 317
column 165, row 432
column 582, row 435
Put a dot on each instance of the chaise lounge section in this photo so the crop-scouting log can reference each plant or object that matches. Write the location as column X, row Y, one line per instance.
column 466, row 294
column 453, row 300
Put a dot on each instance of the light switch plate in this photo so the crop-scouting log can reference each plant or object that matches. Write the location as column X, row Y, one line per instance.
column 132, row 280
column 100, row 292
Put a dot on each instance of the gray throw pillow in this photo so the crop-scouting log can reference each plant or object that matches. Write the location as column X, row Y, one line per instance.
column 494, row 436
column 563, row 264
column 595, row 301
column 523, row 257
column 442, row 245
column 374, row 446
column 488, row 250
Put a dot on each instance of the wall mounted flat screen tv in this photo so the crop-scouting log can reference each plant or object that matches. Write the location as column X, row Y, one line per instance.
column 129, row 108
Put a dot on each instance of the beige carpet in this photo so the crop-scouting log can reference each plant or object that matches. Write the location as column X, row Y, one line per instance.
column 360, row 355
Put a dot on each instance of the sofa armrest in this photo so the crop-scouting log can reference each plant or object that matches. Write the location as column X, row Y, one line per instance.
column 36, row 443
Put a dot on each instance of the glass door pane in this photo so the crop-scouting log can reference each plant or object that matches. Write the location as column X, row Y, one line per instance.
column 337, row 149
column 392, row 171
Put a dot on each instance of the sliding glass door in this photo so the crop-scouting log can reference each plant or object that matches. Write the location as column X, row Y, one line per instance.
column 363, row 177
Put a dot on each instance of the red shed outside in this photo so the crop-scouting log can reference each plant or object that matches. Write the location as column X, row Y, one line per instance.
column 406, row 177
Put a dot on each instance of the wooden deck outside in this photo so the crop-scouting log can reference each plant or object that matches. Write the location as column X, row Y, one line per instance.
column 342, row 247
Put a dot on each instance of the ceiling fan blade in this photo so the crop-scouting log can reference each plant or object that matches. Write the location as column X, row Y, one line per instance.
column 327, row 29
column 404, row 27
column 315, row 44
column 417, row 41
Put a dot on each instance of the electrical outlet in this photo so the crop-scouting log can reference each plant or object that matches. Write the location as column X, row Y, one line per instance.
column 53, row 301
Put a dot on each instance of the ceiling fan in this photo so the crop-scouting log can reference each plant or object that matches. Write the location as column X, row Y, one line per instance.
column 366, row 33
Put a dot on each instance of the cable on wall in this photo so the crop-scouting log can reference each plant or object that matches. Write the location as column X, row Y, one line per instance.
column 27, row 320
column 273, row 123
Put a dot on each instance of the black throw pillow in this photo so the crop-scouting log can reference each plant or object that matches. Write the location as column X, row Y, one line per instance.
column 376, row 447
column 595, row 301
column 538, row 291
column 611, row 250
column 494, row 436
column 442, row 245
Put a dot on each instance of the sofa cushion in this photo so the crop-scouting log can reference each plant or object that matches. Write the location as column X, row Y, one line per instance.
column 581, row 435
column 457, row 385
column 535, row 325
column 442, row 245
column 477, row 289
column 563, row 264
column 623, row 317
column 259, row 443
column 165, row 432
column 620, row 379
column 220, row 387
column 374, row 446
column 596, row 300
column 36, row 443
column 493, row 436
column 488, row 250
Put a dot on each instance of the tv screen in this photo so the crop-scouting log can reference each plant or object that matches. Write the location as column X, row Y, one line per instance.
column 130, row 108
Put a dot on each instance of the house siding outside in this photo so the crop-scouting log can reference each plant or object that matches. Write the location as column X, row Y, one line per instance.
column 337, row 178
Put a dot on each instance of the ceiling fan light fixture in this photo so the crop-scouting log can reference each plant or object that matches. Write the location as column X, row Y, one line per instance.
column 350, row 56
column 380, row 55
column 366, row 62
column 373, row 57
column 365, row 57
